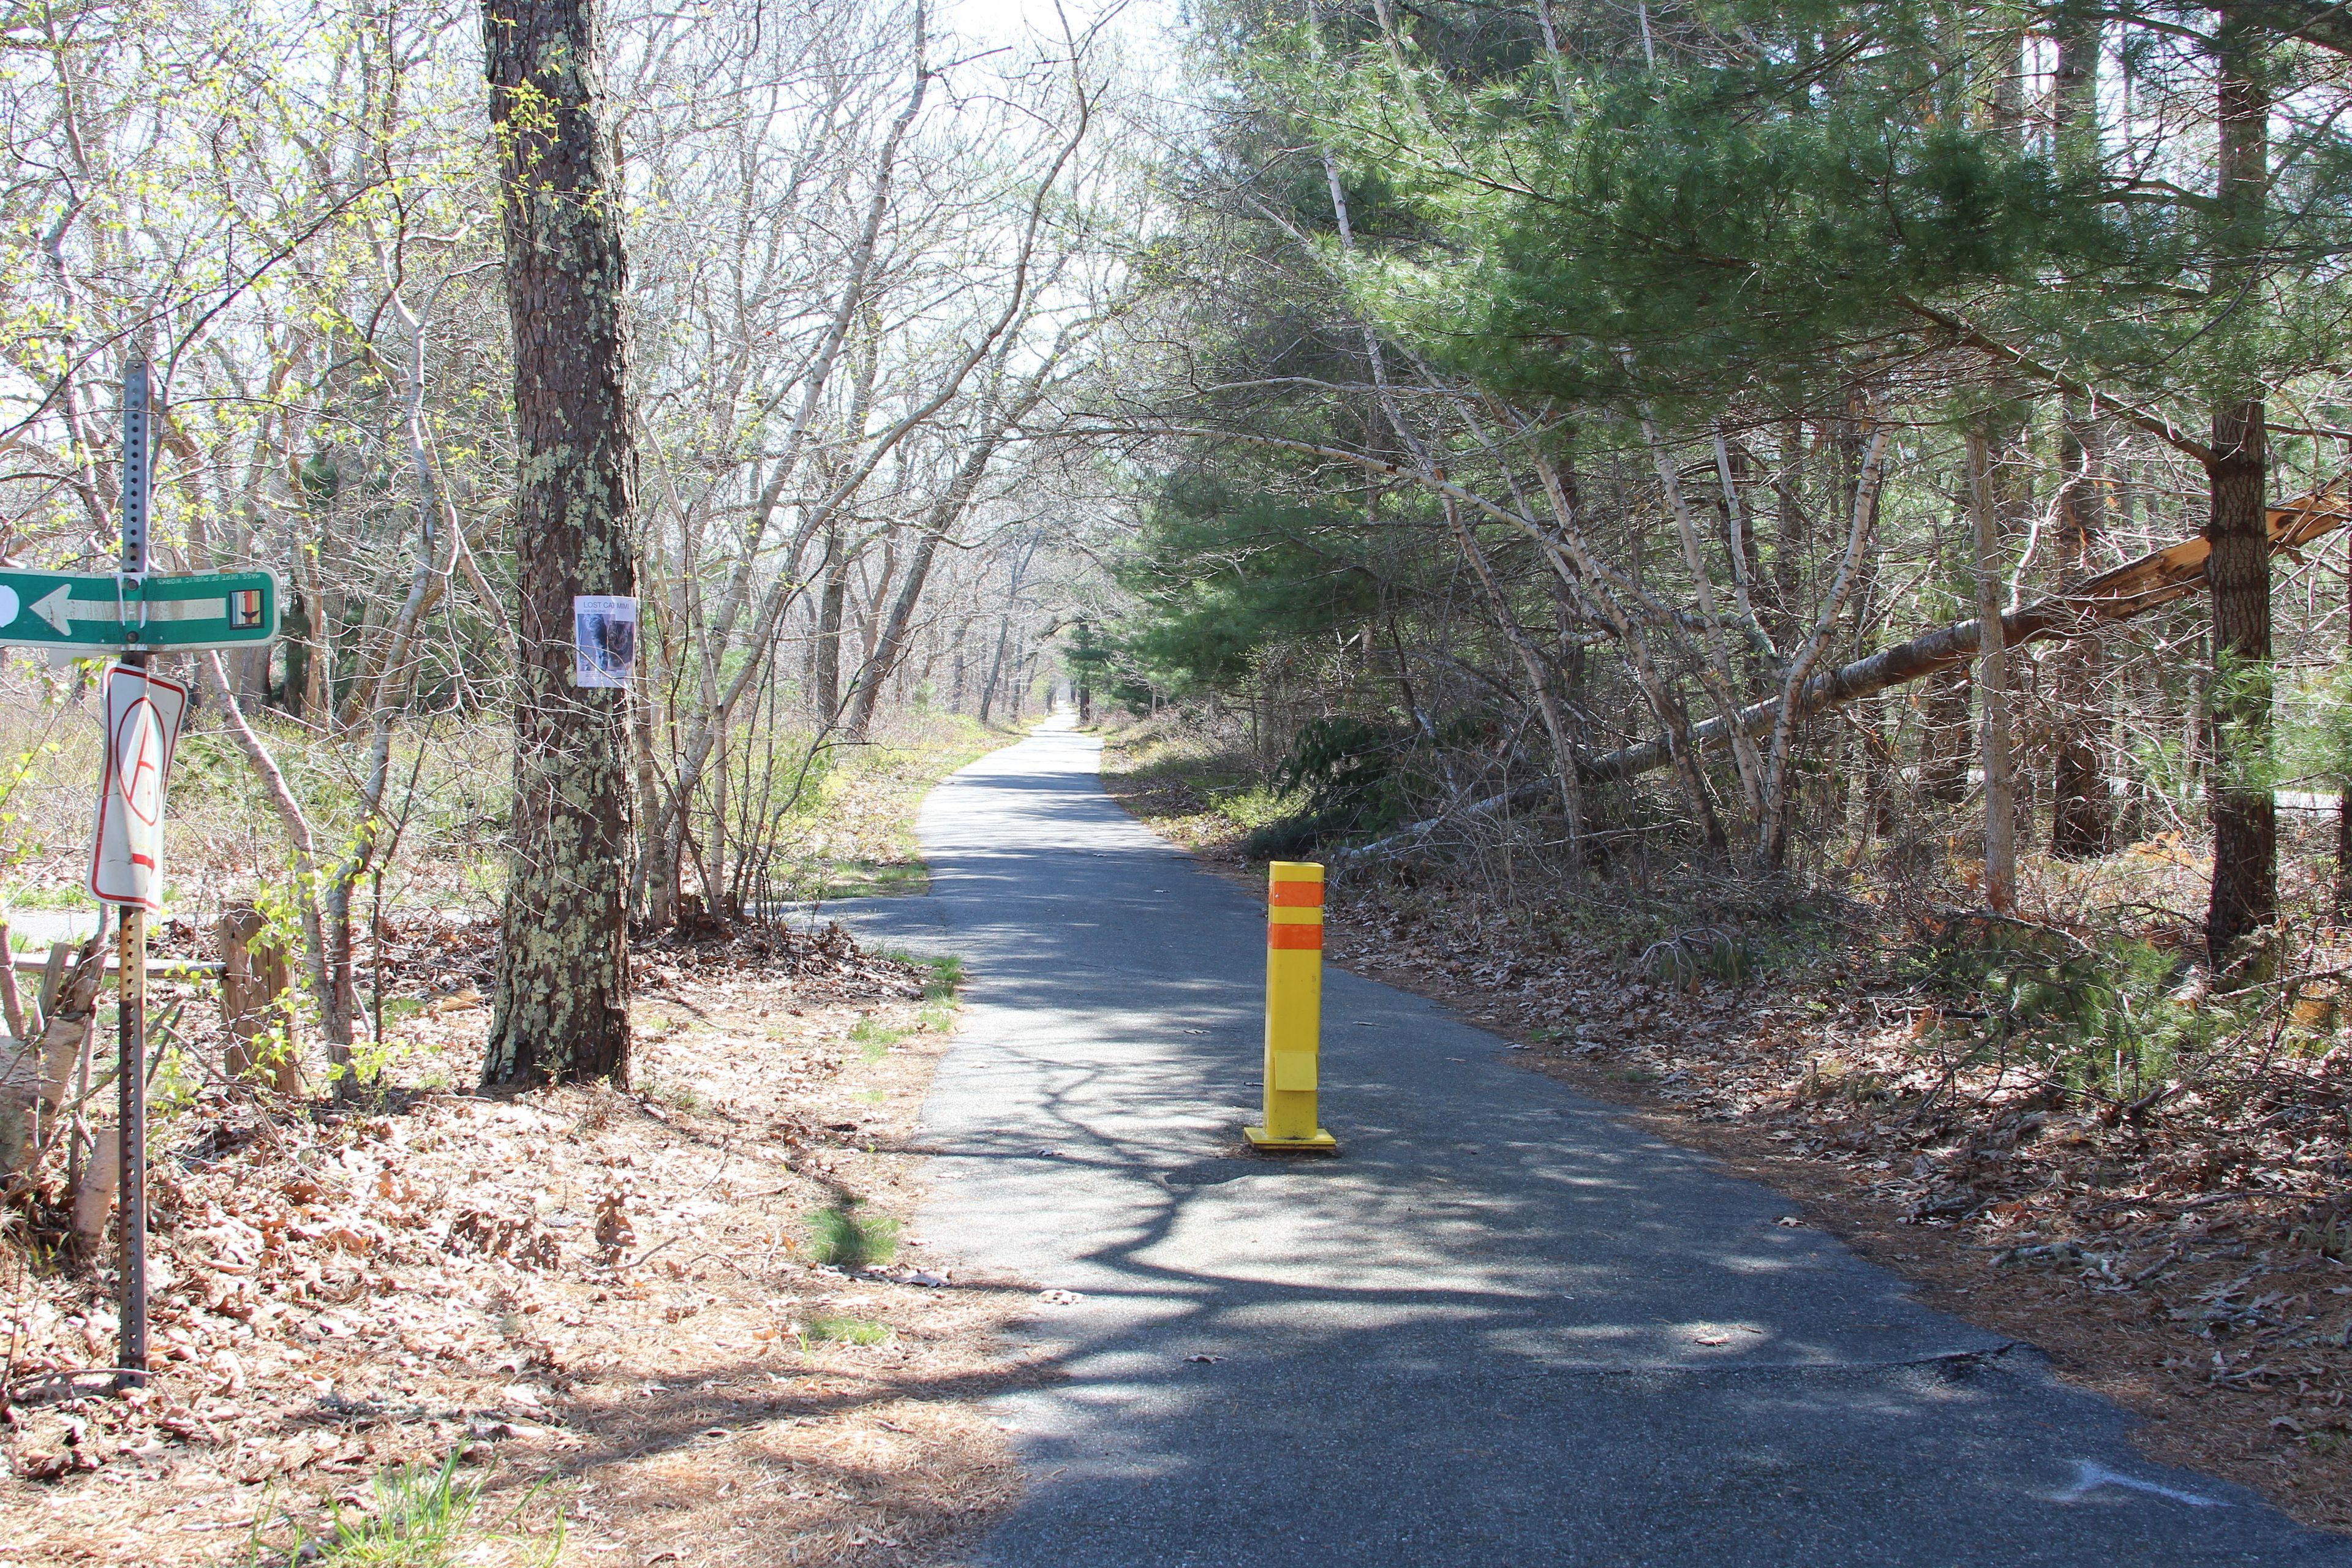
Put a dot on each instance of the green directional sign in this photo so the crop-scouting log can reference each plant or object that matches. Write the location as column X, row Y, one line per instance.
column 86, row 614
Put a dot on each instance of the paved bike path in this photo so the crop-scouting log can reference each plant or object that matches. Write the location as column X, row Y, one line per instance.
column 1501, row 1327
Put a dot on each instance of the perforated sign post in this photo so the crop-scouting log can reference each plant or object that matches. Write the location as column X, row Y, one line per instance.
column 131, row 614
column 140, row 724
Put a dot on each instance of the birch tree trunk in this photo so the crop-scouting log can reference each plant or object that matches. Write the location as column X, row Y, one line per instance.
column 1990, row 677
column 1992, row 685
column 563, row 995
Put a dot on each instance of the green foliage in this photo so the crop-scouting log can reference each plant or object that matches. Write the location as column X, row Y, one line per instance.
column 423, row 1517
column 2313, row 743
column 846, row 1331
column 2109, row 1021
column 1356, row 775
column 1088, row 656
column 849, row 1240
column 16, row 844
column 1724, row 244
column 1614, row 224
column 1225, row 573
column 1349, row 770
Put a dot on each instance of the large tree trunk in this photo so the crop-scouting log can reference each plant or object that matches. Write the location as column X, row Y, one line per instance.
column 563, row 1001
column 2080, row 813
column 2244, row 814
column 1943, row 741
column 2344, row 798
column 824, row 655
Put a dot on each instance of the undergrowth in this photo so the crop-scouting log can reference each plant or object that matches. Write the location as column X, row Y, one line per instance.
column 420, row 1516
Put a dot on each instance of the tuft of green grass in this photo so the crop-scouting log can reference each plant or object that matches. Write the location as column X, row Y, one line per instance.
column 1685, row 958
column 847, row 1239
column 847, row 1330
column 875, row 1039
column 947, row 978
column 423, row 1517
column 420, row 1520
column 683, row 1096
column 869, row 878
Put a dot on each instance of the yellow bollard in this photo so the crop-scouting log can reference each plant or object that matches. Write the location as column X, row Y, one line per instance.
column 1294, row 1008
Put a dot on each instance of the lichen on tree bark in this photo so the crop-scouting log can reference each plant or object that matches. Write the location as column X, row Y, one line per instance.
column 562, row 994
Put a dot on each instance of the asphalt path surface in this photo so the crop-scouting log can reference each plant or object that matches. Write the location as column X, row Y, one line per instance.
column 1500, row 1326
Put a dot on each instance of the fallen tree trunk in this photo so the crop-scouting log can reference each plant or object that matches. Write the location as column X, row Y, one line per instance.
column 2170, row 574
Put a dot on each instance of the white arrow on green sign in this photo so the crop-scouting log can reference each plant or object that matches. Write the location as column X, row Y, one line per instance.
column 88, row 614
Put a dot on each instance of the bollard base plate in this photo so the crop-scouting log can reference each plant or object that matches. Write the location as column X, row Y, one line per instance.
column 1321, row 1143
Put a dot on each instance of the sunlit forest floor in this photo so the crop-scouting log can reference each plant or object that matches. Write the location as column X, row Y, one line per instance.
column 686, row 1312
column 579, row 1325
column 2041, row 1124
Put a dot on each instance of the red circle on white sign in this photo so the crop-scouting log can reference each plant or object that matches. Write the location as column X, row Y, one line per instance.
column 139, row 761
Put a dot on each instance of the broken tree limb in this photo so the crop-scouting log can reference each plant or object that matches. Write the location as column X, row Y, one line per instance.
column 2171, row 574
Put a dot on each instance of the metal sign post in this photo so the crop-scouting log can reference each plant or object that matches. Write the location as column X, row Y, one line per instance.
column 130, row 1067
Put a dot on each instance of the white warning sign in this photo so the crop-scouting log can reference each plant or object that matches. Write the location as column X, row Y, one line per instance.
column 142, row 725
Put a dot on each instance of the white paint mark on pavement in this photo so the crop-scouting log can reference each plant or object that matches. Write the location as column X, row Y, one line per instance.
column 2089, row 1477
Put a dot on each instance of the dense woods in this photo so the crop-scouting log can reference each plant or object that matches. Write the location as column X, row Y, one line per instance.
column 1878, row 449
column 848, row 264
column 1644, row 409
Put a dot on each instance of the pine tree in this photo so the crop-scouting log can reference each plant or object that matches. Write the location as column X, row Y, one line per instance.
column 563, row 998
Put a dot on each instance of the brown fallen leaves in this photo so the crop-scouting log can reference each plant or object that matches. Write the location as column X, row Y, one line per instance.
column 582, row 1292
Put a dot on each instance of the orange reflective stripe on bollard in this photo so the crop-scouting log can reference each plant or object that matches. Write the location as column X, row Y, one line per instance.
column 1293, row 1009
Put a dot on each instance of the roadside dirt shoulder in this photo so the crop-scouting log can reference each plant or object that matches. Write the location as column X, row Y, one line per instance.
column 680, row 1323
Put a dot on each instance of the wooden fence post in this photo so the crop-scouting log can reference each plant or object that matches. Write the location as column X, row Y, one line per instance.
column 93, row 1197
column 254, row 975
column 19, row 1092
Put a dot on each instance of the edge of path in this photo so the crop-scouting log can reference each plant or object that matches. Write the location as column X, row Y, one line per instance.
column 1944, row 1270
